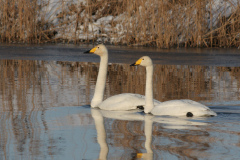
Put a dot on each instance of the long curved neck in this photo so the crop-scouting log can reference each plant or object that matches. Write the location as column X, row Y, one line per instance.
column 101, row 81
column 149, row 90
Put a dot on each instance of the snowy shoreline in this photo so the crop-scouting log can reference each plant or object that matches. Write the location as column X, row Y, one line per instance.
column 162, row 24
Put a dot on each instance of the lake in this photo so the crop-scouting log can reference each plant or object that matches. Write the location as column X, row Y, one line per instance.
column 45, row 92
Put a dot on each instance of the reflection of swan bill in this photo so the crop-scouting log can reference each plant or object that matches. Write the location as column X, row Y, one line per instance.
column 146, row 156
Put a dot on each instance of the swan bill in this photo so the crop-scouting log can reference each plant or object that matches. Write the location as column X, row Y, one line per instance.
column 90, row 51
column 138, row 62
column 133, row 64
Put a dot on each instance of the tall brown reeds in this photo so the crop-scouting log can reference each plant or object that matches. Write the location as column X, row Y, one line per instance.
column 26, row 82
column 159, row 23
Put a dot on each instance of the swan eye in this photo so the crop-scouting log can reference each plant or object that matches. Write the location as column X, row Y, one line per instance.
column 143, row 59
column 97, row 47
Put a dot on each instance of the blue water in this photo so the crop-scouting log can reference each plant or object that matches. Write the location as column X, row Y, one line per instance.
column 45, row 112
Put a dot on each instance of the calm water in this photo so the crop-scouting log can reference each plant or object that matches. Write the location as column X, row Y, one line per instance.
column 45, row 92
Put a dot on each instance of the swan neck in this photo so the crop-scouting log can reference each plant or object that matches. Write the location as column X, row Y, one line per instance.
column 149, row 89
column 101, row 81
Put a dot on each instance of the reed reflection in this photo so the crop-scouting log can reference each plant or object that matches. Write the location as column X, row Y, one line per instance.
column 29, row 88
column 32, row 85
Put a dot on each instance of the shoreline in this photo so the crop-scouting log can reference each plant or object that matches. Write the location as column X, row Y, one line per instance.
column 127, row 55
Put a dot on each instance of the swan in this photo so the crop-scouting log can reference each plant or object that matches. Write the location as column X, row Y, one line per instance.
column 184, row 107
column 120, row 102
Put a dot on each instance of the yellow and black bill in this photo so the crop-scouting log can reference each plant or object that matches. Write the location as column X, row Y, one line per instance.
column 138, row 62
column 137, row 155
column 91, row 51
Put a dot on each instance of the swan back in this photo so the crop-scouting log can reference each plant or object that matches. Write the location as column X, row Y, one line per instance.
column 181, row 108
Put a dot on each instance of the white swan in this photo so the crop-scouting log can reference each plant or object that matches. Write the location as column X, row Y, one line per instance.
column 124, row 101
column 183, row 107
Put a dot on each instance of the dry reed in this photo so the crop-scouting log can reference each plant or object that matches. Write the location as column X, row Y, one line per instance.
column 160, row 23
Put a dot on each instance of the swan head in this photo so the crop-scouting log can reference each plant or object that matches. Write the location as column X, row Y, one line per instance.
column 99, row 50
column 143, row 61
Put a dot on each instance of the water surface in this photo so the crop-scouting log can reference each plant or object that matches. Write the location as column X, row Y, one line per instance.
column 45, row 95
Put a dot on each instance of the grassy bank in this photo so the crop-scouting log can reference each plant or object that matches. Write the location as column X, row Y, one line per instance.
column 159, row 23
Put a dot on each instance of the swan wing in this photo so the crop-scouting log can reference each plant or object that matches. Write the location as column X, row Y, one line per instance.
column 124, row 101
column 181, row 108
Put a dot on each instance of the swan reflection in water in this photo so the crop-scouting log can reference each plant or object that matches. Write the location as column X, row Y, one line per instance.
column 122, row 115
column 169, row 122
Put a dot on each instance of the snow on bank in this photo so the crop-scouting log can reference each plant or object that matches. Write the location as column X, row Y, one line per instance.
column 113, row 29
column 220, row 8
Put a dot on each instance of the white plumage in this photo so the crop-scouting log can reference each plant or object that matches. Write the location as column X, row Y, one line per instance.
column 124, row 101
column 181, row 108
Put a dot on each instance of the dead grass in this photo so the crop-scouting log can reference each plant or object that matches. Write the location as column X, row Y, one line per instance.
column 158, row 23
